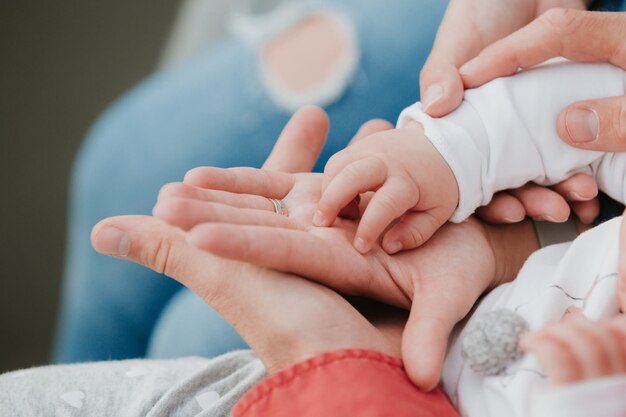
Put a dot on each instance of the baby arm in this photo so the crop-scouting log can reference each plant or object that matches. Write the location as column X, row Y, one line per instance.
column 504, row 133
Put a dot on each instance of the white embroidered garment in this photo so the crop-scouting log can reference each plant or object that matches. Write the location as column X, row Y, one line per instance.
column 502, row 136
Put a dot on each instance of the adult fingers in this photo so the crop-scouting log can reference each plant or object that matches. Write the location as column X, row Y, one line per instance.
column 357, row 177
column 242, row 180
column 157, row 245
column 578, row 187
column 285, row 250
column 574, row 34
column 441, row 85
column 389, row 202
column 586, row 211
column 465, row 30
column 503, row 208
column 187, row 213
column 581, row 191
column 300, row 142
column 542, row 203
column 425, row 339
column 182, row 190
column 598, row 125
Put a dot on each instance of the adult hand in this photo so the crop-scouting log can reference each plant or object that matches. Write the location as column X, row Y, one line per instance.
column 468, row 27
column 598, row 125
column 577, row 194
column 579, row 36
column 439, row 282
column 300, row 316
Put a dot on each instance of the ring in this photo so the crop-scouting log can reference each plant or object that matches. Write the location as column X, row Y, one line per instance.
column 279, row 207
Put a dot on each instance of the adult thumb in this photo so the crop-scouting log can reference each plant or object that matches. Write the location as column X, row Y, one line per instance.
column 425, row 340
column 441, row 87
column 598, row 125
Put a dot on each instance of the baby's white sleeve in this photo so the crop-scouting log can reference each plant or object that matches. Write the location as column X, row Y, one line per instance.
column 589, row 398
column 504, row 133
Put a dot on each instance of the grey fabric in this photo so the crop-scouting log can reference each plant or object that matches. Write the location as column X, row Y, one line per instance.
column 132, row 388
column 550, row 233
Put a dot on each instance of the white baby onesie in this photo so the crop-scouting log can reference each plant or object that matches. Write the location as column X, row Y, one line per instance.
column 502, row 136
column 581, row 274
column 504, row 133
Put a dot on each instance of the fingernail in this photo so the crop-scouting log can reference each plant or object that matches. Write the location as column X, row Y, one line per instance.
column 433, row 94
column 582, row 125
column 359, row 245
column 112, row 241
column 573, row 195
column 319, row 219
column 469, row 66
column 550, row 219
column 393, row 247
column 513, row 219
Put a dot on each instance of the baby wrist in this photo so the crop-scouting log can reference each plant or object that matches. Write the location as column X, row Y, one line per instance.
column 456, row 146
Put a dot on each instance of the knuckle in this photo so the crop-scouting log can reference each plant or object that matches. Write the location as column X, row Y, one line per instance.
column 352, row 172
column 175, row 207
column 333, row 163
column 158, row 255
column 388, row 203
column 560, row 20
column 173, row 189
column 414, row 238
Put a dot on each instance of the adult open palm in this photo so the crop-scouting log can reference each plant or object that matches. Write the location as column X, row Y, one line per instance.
column 439, row 282
column 267, row 307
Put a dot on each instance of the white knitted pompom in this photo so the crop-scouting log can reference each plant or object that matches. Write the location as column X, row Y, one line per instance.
column 491, row 343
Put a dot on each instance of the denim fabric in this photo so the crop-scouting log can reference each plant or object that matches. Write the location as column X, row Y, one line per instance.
column 609, row 5
column 214, row 111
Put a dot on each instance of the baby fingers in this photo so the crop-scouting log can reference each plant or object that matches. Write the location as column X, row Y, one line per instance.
column 360, row 176
column 577, row 349
column 412, row 231
column 391, row 201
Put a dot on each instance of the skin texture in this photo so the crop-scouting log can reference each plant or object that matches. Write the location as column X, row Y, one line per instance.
column 302, row 317
column 470, row 26
column 576, row 348
column 412, row 183
column 234, row 220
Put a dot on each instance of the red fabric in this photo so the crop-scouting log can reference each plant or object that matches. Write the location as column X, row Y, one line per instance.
column 359, row 383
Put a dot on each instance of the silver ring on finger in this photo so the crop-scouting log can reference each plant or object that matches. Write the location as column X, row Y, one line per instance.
column 279, row 207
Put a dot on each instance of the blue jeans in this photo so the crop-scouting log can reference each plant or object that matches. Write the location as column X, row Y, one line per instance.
column 212, row 110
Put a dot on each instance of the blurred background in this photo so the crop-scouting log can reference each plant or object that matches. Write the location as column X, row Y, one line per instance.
column 61, row 63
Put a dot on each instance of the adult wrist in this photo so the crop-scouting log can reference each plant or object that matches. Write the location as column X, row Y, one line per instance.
column 511, row 244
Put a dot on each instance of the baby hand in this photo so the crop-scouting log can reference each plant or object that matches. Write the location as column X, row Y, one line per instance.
column 576, row 348
column 413, row 184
